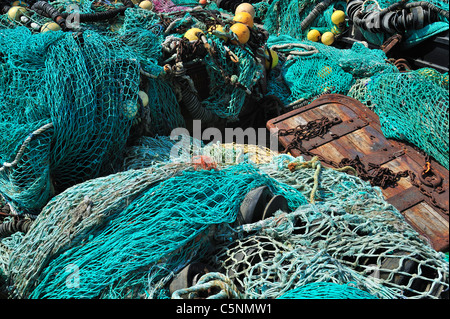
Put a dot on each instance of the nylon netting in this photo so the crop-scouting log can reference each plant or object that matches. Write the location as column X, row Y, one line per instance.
column 412, row 106
column 60, row 132
column 346, row 234
column 184, row 149
column 163, row 215
column 118, row 210
column 65, row 95
column 324, row 290
column 311, row 69
column 352, row 233
column 284, row 17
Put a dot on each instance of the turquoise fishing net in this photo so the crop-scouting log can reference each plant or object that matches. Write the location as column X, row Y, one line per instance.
column 227, row 100
column 324, row 290
column 127, row 235
column 229, row 83
column 163, row 113
column 351, row 234
column 163, row 226
column 80, row 93
column 311, row 69
column 284, row 17
column 412, row 106
column 69, row 105
column 70, row 99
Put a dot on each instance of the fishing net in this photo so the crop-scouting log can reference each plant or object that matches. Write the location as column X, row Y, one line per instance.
column 70, row 100
column 413, row 35
column 76, row 247
column 311, row 69
column 154, row 221
column 412, row 106
column 65, row 117
column 227, row 83
column 351, row 235
column 169, row 6
column 120, row 208
column 227, row 100
column 185, row 149
column 286, row 17
column 325, row 290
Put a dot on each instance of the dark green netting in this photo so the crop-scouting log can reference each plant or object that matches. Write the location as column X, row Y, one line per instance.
column 146, row 225
column 411, row 37
column 69, row 104
column 128, row 235
column 79, row 92
column 412, row 106
column 311, row 69
column 284, row 17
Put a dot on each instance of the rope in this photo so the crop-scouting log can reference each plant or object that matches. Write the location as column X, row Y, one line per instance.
column 311, row 49
column 214, row 285
column 315, row 164
column 24, row 146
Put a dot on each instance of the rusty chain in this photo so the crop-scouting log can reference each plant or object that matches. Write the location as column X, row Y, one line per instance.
column 373, row 173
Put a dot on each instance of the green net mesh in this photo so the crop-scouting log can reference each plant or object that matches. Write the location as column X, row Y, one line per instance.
column 412, row 106
column 312, row 69
column 75, row 113
column 227, row 100
column 164, row 216
column 89, row 244
column 284, row 17
column 325, row 290
column 121, row 214
column 413, row 36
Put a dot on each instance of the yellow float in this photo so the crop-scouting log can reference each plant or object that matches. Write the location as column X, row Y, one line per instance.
column 242, row 32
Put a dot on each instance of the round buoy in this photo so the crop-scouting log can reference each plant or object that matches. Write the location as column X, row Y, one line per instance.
column 203, row 2
column 191, row 34
column 218, row 28
column 268, row 65
column 327, row 38
column 50, row 26
column 245, row 7
column 242, row 32
column 338, row 17
column 144, row 98
column 147, row 5
column 245, row 18
column 14, row 13
column 313, row 35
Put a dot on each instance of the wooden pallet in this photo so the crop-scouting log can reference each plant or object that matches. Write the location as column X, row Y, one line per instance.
column 360, row 134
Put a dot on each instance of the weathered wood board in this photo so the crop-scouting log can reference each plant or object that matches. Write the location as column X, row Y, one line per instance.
column 360, row 134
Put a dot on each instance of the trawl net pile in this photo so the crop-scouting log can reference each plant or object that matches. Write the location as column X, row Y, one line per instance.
column 64, row 101
column 70, row 101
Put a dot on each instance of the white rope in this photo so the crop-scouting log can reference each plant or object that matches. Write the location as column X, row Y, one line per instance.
column 24, row 146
